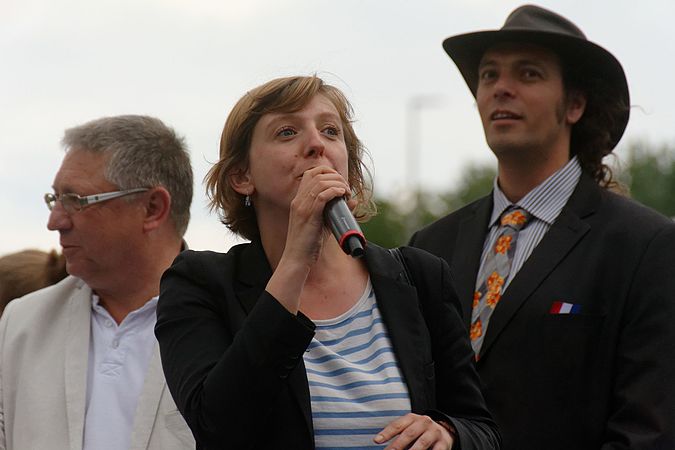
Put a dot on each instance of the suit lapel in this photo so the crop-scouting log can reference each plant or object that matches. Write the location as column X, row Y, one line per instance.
column 253, row 273
column 467, row 253
column 399, row 307
column 148, row 403
column 560, row 239
column 76, row 363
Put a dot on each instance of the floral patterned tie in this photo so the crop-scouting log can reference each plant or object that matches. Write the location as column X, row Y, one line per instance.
column 495, row 271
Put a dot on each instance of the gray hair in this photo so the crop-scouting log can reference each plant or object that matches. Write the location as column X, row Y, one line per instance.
column 142, row 152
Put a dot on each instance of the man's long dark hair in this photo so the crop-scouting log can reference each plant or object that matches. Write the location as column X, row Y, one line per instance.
column 591, row 139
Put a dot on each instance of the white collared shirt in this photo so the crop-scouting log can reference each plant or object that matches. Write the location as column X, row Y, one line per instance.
column 119, row 356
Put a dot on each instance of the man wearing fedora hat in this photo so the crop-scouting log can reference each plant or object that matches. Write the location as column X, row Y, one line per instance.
column 567, row 287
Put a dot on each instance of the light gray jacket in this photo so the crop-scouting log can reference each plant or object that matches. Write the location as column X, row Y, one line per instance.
column 44, row 348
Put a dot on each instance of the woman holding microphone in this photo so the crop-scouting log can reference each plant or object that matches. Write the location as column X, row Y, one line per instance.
column 287, row 341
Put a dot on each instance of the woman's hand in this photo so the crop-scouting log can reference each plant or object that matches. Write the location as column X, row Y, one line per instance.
column 415, row 432
column 306, row 226
column 306, row 233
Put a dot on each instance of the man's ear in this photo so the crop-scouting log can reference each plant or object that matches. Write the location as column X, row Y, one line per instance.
column 157, row 208
column 241, row 182
column 576, row 105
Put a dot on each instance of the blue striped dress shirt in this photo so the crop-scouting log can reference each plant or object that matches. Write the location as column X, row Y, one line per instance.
column 544, row 202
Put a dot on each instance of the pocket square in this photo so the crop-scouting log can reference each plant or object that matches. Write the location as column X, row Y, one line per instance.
column 564, row 308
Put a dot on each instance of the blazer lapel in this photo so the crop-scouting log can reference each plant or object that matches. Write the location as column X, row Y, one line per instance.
column 76, row 363
column 253, row 273
column 468, row 251
column 148, row 403
column 565, row 233
column 399, row 307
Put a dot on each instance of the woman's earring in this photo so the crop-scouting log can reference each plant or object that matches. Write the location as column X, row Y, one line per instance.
column 247, row 201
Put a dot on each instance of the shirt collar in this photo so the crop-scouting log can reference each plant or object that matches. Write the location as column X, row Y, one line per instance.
column 148, row 308
column 546, row 201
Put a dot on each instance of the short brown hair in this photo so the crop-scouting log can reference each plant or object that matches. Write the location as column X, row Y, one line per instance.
column 287, row 94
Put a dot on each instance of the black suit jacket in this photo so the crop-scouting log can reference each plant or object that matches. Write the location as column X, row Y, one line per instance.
column 601, row 379
column 232, row 355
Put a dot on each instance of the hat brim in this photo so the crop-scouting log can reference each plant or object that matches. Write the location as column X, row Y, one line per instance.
column 466, row 50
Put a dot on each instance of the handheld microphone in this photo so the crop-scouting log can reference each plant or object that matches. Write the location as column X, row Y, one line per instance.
column 344, row 227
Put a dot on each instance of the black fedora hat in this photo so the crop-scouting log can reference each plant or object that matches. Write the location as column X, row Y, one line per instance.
column 535, row 25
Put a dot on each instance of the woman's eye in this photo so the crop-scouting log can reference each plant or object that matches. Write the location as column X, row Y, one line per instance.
column 331, row 131
column 286, row 132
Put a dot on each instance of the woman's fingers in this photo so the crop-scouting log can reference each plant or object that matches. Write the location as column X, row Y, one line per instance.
column 416, row 433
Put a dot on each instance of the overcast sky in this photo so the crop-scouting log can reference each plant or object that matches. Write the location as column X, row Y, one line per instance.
column 65, row 62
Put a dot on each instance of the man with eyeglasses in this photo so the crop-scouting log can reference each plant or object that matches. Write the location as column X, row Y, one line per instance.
column 79, row 364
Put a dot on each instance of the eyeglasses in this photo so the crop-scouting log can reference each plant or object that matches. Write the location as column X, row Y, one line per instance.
column 73, row 202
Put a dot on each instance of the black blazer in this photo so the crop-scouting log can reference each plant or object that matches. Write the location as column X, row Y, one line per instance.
column 232, row 355
column 603, row 378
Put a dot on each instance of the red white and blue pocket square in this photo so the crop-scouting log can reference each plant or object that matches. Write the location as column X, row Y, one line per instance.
column 565, row 308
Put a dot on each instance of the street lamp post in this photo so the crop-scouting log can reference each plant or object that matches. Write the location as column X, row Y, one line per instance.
column 414, row 107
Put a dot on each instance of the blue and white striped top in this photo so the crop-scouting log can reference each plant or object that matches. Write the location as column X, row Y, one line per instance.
column 355, row 384
column 544, row 202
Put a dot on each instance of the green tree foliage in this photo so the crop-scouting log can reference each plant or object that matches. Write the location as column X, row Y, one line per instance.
column 649, row 174
column 476, row 182
column 387, row 228
column 393, row 226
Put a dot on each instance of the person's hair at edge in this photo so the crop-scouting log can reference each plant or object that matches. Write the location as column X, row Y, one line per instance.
column 590, row 139
column 141, row 151
column 27, row 271
column 288, row 94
